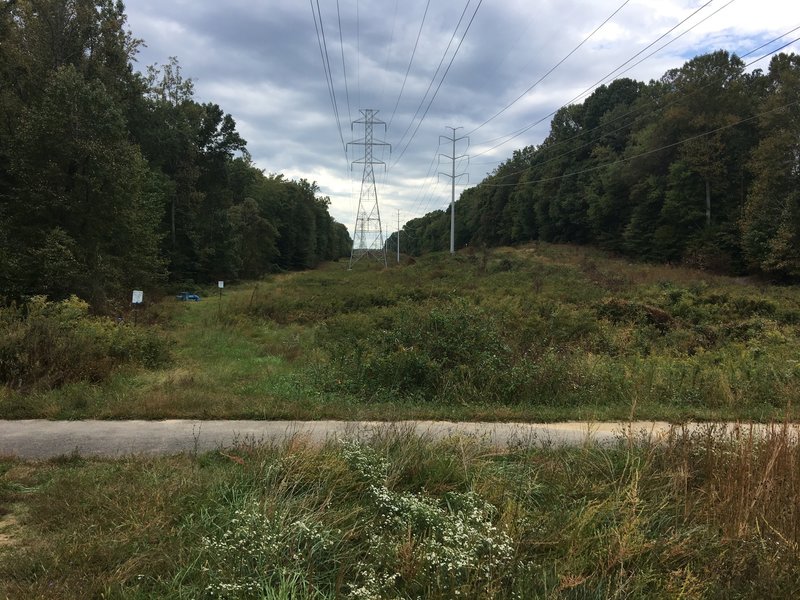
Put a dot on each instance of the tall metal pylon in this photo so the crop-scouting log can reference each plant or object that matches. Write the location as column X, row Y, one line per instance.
column 368, row 233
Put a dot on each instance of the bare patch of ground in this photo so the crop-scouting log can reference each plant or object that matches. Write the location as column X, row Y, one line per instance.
column 8, row 526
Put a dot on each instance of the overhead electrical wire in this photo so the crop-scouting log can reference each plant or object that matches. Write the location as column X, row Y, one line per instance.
column 324, row 54
column 422, row 191
column 441, row 81
column 330, row 71
column 402, row 87
column 459, row 167
column 675, row 39
column 411, row 60
column 516, row 134
column 553, row 68
column 326, row 66
column 389, row 48
column 433, row 79
column 771, row 52
column 425, row 194
column 358, row 53
column 546, row 74
column 344, row 64
column 519, row 132
column 428, row 196
column 659, row 108
column 663, row 107
column 764, row 45
column 641, row 154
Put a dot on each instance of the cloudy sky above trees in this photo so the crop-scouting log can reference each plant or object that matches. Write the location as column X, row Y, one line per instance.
column 261, row 61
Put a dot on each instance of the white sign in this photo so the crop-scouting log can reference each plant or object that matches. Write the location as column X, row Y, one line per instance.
column 220, row 284
column 138, row 296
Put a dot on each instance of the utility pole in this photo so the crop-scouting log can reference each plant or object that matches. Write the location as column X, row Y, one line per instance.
column 453, row 178
column 368, row 234
column 398, row 237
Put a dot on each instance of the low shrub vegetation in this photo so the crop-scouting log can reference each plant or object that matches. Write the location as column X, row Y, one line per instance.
column 555, row 335
column 45, row 345
column 536, row 333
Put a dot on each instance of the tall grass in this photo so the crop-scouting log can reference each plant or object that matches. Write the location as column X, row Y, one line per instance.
column 701, row 514
column 540, row 332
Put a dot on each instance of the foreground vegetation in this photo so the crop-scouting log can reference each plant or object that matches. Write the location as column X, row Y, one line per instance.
column 714, row 514
column 538, row 333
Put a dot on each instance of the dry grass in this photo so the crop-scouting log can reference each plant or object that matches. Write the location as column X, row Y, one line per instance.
column 706, row 513
column 579, row 334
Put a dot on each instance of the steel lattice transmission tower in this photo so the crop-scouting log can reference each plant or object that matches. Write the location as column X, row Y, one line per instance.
column 368, row 234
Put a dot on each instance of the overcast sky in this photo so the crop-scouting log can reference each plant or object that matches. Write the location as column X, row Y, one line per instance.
column 260, row 60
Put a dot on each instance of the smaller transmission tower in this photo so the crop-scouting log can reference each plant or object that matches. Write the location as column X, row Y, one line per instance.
column 368, row 233
column 452, row 175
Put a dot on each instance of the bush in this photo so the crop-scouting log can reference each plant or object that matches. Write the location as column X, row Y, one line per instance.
column 453, row 351
column 44, row 345
column 618, row 310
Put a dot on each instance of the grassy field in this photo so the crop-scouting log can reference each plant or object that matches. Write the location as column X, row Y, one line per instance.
column 537, row 333
column 714, row 514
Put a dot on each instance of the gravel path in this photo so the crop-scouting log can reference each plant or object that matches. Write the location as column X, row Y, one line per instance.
column 41, row 439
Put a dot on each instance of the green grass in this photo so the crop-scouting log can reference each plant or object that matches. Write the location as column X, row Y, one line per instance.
column 538, row 333
column 710, row 515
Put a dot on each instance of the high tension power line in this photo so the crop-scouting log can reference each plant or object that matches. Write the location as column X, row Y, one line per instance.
column 326, row 66
column 509, row 137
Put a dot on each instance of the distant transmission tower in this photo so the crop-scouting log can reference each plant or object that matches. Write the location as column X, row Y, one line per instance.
column 452, row 176
column 368, row 234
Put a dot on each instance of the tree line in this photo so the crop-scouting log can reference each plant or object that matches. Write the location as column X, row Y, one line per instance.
column 111, row 179
column 700, row 167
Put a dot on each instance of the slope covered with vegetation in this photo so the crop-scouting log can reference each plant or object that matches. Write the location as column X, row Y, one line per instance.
column 538, row 333
column 700, row 167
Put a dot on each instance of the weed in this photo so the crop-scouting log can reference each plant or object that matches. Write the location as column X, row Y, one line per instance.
column 707, row 513
column 540, row 333
column 48, row 344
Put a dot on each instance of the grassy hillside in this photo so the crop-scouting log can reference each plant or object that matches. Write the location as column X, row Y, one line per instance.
column 538, row 333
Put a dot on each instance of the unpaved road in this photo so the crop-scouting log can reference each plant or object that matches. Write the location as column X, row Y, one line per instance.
column 40, row 439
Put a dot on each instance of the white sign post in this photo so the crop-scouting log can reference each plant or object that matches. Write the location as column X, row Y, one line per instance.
column 136, row 299
column 220, row 284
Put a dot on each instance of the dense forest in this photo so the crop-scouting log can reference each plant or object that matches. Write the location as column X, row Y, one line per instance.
column 112, row 179
column 701, row 167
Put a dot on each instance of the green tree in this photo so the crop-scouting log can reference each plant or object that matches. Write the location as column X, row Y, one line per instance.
column 770, row 222
column 84, row 199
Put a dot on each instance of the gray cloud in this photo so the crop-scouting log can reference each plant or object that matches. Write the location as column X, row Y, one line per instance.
column 261, row 62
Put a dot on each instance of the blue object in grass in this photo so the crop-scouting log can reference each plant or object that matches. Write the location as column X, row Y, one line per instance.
column 186, row 297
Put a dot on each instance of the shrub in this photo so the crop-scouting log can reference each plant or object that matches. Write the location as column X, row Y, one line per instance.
column 618, row 310
column 451, row 351
column 456, row 541
column 47, row 344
